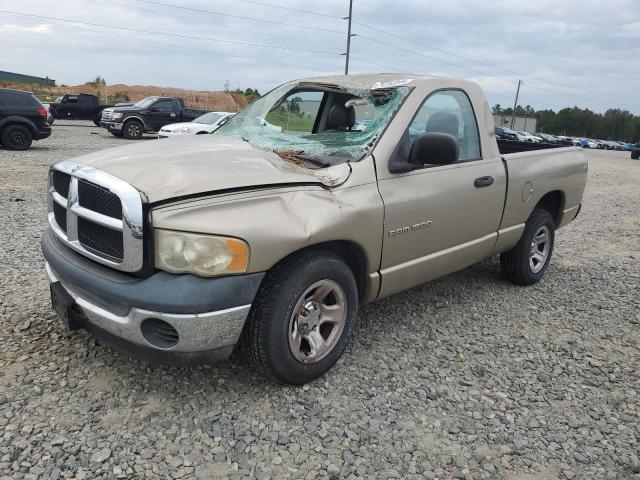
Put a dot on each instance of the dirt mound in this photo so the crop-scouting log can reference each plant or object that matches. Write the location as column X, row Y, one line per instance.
column 210, row 100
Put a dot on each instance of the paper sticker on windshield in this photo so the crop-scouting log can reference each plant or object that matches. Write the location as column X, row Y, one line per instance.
column 391, row 84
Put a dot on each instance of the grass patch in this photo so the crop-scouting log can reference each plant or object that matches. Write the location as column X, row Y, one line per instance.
column 291, row 121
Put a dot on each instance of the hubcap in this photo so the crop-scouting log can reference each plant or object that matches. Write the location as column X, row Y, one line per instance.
column 134, row 130
column 317, row 321
column 18, row 138
column 539, row 251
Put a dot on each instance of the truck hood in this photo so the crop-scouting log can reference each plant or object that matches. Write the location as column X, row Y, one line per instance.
column 204, row 164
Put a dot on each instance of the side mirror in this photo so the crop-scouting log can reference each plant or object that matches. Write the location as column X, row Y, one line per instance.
column 434, row 149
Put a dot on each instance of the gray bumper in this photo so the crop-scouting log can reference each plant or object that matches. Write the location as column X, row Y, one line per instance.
column 111, row 125
column 207, row 314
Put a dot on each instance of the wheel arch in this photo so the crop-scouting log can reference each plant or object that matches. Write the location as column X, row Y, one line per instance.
column 15, row 120
column 135, row 117
column 353, row 255
column 553, row 202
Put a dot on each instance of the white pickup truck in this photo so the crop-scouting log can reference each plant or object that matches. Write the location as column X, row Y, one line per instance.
column 325, row 194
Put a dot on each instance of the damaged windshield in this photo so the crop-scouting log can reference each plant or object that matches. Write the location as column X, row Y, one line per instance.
column 320, row 124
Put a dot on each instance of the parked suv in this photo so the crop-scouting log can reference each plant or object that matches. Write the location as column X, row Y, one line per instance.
column 22, row 119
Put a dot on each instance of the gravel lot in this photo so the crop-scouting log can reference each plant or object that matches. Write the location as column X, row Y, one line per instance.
column 466, row 377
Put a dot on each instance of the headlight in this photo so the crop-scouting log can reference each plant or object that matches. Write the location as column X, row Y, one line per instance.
column 203, row 255
column 117, row 115
column 183, row 130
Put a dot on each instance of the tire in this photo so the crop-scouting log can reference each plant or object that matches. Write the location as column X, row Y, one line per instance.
column 133, row 130
column 635, row 155
column 275, row 337
column 96, row 123
column 523, row 265
column 16, row 137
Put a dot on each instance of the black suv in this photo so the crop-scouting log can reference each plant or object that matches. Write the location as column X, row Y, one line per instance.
column 22, row 119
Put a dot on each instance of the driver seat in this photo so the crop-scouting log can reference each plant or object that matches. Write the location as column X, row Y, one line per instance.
column 341, row 118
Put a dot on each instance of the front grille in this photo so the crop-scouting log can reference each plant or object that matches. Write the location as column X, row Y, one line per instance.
column 98, row 199
column 97, row 215
column 99, row 239
column 60, row 213
column 60, row 181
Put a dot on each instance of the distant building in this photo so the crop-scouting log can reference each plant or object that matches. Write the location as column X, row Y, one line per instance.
column 522, row 124
column 9, row 77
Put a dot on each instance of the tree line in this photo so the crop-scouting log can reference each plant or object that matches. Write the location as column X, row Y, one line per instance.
column 614, row 124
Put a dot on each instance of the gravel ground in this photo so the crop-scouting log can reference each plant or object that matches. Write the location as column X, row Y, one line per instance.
column 466, row 377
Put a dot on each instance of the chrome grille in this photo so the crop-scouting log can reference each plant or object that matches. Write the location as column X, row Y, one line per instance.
column 104, row 241
column 97, row 215
column 106, row 114
column 99, row 199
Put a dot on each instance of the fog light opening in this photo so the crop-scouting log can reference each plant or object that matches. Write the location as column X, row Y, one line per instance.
column 159, row 333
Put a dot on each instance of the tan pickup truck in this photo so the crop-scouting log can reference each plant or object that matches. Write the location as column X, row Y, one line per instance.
column 323, row 195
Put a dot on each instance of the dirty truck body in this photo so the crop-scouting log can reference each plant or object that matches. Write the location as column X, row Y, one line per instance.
column 178, row 252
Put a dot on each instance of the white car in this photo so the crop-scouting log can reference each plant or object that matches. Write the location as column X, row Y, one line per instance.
column 527, row 137
column 207, row 123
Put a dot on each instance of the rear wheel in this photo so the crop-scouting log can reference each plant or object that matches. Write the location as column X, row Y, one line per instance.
column 302, row 317
column 635, row 155
column 526, row 263
column 133, row 130
column 16, row 137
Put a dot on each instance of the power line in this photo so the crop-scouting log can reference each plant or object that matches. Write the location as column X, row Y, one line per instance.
column 513, row 72
column 195, row 49
column 263, row 20
column 402, row 49
column 165, row 34
column 298, row 10
column 378, row 64
column 174, row 15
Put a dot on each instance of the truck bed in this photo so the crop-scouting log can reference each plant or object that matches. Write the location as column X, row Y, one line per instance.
column 536, row 172
column 514, row 146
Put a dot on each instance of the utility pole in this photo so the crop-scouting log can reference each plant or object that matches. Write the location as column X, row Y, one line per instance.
column 513, row 114
column 346, row 64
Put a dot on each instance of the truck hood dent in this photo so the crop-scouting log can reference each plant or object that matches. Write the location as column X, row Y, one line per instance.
column 202, row 164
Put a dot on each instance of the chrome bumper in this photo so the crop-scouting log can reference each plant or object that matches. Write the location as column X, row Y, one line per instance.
column 198, row 332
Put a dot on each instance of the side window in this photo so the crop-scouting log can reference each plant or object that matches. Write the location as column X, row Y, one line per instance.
column 72, row 99
column 164, row 106
column 449, row 111
column 296, row 113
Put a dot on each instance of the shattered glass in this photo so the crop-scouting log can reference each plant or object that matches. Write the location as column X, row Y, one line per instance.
column 320, row 149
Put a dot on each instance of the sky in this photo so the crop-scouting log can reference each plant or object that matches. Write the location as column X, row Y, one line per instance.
column 566, row 52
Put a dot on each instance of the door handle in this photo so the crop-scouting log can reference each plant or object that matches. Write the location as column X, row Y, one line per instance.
column 483, row 182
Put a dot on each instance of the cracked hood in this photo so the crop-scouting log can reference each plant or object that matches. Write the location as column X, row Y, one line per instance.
column 205, row 163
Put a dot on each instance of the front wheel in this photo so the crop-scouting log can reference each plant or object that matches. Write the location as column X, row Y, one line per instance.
column 302, row 317
column 133, row 130
column 526, row 263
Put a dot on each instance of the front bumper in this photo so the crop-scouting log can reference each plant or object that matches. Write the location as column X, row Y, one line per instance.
column 111, row 125
column 207, row 314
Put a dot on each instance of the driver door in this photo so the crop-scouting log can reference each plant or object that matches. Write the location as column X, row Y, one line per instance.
column 439, row 219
